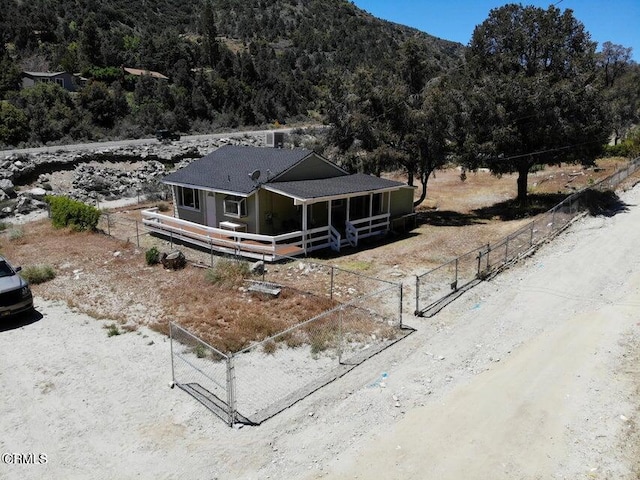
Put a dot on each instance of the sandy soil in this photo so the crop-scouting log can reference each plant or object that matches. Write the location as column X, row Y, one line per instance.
column 532, row 375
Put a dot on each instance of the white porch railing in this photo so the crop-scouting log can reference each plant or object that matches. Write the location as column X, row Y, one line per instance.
column 366, row 227
column 334, row 239
column 251, row 245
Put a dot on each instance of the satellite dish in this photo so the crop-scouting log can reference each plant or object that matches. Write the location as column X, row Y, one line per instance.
column 255, row 175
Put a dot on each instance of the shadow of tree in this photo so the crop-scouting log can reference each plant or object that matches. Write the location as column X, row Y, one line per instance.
column 447, row 218
column 606, row 203
column 511, row 209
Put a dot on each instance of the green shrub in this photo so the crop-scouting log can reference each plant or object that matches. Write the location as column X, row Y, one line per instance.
column 200, row 351
column 152, row 256
column 3, row 226
column 66, row 212
column 16, row 233
column 620, row 150
column 38, row 273
column 112, row 330
column 227, row 272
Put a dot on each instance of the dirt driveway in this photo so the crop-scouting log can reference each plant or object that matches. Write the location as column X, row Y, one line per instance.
column 533, row 375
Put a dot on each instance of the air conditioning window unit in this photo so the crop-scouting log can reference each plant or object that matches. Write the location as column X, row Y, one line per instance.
column 275, row 139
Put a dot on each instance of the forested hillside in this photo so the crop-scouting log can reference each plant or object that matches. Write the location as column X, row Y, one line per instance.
column 229, row 63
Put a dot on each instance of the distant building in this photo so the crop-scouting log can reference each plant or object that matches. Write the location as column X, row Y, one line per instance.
column 66, row 80
column 139, row 73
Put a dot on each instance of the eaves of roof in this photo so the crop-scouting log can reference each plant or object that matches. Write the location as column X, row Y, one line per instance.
column 313, row 191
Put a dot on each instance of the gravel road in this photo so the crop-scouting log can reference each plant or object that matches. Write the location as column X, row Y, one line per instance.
column 533, row 375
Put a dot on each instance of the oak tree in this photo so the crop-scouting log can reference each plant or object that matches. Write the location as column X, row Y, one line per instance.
column 531, row 93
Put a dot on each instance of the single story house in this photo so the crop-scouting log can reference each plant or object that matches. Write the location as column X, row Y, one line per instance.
column 272, row 202
column 66, row 80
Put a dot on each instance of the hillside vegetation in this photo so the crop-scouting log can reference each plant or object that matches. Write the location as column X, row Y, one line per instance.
column 229, row 63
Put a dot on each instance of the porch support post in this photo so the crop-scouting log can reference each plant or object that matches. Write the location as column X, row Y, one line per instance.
column 329, row 215
column 304, row 227
column 257, row 216
column 370, row 210
column 348, row 208
column 388, row 210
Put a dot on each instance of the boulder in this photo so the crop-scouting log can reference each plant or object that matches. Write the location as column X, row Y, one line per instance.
column 257, row 268
column 36, row 193
column 6, row 186
column 173, row 260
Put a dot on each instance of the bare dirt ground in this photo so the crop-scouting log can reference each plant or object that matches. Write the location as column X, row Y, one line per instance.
column 532, row 375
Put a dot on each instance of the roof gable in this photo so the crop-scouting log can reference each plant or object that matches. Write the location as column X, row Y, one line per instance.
column 229, row 168
column 44, row 74
column 312, row 167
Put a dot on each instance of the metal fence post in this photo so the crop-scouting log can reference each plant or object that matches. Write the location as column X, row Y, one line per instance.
column 340, row 333
column 137, row 235
column 417, row 312
column 488, row 250
column 400, row 306
column 230, row 393
column 264, row 268
column 331, row 287
column 171, row 240
column 455, row 280
column 531, row 237
column 173, row 373
column 506, row 249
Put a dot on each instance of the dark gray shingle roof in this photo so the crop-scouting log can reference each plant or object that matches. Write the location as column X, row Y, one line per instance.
column 328, row 187
column 228, row 168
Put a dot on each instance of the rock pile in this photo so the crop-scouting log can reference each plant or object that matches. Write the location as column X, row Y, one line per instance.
column 113, row 183
column 110, row 183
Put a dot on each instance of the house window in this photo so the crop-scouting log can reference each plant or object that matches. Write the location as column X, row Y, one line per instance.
column 235, row 206
column 60, row 82
column 188, row 198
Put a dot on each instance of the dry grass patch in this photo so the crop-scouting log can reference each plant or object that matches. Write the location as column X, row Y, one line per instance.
column 109, row 279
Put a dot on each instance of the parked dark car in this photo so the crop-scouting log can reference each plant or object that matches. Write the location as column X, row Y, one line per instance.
column 15, row 294
column 167, row 135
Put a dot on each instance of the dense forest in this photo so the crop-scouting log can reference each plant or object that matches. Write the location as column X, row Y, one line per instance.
column 230, row 63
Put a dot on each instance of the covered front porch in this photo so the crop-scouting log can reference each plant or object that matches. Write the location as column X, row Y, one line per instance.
column 337, row 231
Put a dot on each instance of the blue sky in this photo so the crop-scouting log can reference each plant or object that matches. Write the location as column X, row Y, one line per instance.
column 617, row 21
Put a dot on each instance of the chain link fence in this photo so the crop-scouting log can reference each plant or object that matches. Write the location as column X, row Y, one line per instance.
column 203, row 372
column 440, row 285
column 257, row 382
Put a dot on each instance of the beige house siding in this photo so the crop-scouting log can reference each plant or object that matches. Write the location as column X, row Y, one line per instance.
column 402, row 201
column 312, row 167
column 278, row 214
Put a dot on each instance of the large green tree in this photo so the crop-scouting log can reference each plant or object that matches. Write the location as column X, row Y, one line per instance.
column 50, row 111
column 402, row 121
column 620, row 77
column 531, row 93
column 13, row 124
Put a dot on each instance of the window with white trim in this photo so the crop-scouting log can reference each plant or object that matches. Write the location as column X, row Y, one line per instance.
column 188, row 198
column 59, row 81
column 235, row 207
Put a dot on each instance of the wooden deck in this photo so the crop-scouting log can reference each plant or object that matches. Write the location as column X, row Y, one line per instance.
column 259, row 247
